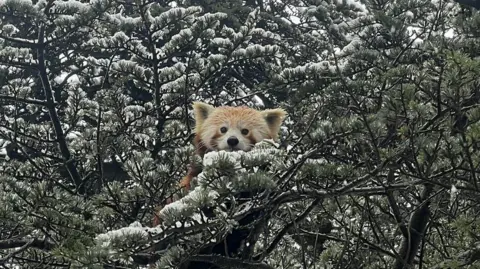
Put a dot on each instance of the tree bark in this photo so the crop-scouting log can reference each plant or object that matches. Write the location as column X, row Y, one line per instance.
column 415, row 233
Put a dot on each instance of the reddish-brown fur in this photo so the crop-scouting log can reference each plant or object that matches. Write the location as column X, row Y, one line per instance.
column 208, row 137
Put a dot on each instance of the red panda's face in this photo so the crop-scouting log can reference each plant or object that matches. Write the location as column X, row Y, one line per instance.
column 235, row 128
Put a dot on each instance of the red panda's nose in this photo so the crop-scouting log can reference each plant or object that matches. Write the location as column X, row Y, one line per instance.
column 232, row 141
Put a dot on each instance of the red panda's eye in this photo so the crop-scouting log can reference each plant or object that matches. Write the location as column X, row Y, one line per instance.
column 223, row 130
column 244, row 131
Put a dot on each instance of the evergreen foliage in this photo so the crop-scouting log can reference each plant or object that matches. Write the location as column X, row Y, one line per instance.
column 377, row 164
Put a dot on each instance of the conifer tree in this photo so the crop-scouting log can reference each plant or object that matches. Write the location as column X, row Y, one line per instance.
column 376, row 165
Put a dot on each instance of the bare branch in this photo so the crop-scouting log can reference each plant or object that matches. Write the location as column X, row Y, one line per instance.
column 35, row 243
column 18, row 64
column 23, row 100
column 296, row 194
column 22, row 42
column 224, row 262
column 416, row 232
column 70, row 164
column 21, row 249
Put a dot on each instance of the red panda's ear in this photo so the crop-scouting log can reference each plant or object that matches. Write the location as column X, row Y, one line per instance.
column 274, row 119
column 201, row 112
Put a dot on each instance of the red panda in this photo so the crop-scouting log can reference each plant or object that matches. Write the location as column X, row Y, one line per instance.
column 231, row 129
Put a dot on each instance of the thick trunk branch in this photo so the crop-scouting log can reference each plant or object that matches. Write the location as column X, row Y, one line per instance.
column 50, row 104
column 415, row 233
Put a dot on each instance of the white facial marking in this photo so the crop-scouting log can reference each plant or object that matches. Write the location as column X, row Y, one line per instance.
column 257, row 129
column 243, row 142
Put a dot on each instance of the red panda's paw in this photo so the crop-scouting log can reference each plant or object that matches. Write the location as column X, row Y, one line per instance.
column 186, row 182
column 156, row 216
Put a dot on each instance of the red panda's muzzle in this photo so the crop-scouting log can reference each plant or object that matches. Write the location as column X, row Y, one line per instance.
column 232, row 141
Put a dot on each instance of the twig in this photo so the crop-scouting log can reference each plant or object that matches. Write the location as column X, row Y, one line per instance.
column 21, row 249
column 287, row 227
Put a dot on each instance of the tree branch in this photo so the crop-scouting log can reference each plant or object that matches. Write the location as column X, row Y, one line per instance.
column 35, row 243
column 416, row 232
column 287, row 227
column 294, row 195
column 50, row 104
column 23, row 43
column 21, row 249
column 466, row 258
column 224, row 262
column 23, row 100
column 18, row 64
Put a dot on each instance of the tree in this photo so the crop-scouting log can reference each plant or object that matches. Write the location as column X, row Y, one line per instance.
column 376, row 167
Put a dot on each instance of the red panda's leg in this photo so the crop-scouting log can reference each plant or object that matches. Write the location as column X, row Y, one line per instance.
column 193, row 171
column 156, row 218
column 186, row 181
